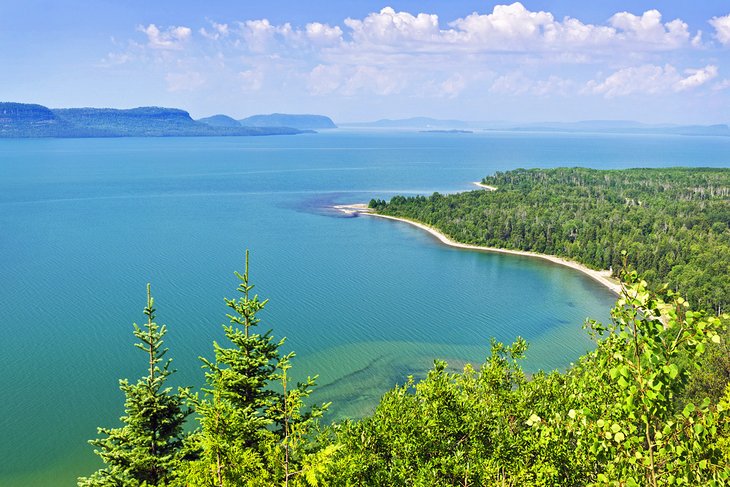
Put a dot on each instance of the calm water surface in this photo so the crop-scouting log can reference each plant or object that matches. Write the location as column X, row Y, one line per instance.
column 85, row 224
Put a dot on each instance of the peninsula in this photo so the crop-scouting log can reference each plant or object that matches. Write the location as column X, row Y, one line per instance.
column 662, row 223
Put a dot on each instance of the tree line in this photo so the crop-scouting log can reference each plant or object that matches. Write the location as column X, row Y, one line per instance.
column 673, row 223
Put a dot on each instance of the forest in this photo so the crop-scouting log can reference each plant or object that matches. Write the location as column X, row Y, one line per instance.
column 649, row 406
column 674, row 224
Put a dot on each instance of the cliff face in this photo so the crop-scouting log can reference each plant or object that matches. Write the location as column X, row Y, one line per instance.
column 146, row 121
column 26, row 120
column 311, row 122
column 21, row 112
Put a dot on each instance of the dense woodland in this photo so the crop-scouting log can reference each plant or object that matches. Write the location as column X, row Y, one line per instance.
column 673, row 223
column 649, row 406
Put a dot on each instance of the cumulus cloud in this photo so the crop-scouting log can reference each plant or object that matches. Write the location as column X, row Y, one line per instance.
column 323, row 35
column 390, row 52
column 515, row 28
column 651, row 79
column 696, row 77
column 506, row 29
column 722, row 28
column 649, row 29
column 391, row 28
column 259, row 34
column 216, row 32
column 170, row 38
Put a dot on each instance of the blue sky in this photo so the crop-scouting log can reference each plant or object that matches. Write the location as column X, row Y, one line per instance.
column 561, row 60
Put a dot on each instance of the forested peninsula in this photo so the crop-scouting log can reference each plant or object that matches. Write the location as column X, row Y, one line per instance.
column 673, row 224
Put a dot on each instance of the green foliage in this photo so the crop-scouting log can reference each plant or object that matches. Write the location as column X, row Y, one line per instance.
column 637, row 432
column 250, row 433
column 625, row 415
column 147, row 449
column 674, row 223
column 610, row 420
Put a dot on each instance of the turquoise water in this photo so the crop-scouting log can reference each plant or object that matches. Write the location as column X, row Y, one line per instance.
column 84, row 224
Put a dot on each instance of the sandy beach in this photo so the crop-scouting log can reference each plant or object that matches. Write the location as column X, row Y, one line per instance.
column 484, row 186
column 602, row 277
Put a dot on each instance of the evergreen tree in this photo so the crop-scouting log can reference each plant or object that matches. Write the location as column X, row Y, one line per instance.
column 249, row 433
column 145, row 451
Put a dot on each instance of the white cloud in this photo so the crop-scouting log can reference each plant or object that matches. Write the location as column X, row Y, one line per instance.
column 722, row 28
column 647, row 79
column 323, row 35
column 506, row 31
column 171, row 38
column 453, row 86
column 370, row 79
column 189, row 81
column 649, row 30
column 696, row 77
column 697, row 39
column 392, row 52
column 515, row 28
column 509, row 27
column 218, row 31
column 389, row 27
column 651, row 79
column 324, row 79
column 259, row 34
column 354, row 80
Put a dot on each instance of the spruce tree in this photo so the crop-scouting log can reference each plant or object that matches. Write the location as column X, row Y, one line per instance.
column 247, row 427
column 146, row 450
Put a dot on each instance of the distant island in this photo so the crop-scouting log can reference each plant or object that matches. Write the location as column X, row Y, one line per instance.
column 424, row 124
column 302, row 122
column 450, row 131
column 19, row 120
column 415, row 123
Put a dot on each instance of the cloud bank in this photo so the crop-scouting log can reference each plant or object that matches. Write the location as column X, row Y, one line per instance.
column 510, row 51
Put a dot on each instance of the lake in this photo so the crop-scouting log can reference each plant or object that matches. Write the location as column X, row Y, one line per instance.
column 86, row 223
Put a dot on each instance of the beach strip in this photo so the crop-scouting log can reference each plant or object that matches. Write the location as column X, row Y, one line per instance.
column 602, row 277
column 484, row 186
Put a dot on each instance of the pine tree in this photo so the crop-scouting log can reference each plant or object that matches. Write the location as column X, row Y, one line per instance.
column 247, row 428
column 146, row 450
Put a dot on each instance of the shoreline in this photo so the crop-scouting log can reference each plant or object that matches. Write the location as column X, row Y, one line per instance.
column 602, row 277
column 484, row 186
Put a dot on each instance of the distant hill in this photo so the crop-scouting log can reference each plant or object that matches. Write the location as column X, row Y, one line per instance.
column 287, row 120
column 624, row 127
column 415, row 123
column 28, row 120
column 585, row 126
column 220, row 121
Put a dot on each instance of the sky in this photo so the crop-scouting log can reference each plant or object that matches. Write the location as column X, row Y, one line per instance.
column 661, row 61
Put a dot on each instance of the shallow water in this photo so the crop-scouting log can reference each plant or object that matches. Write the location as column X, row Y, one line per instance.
column 364, row 302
